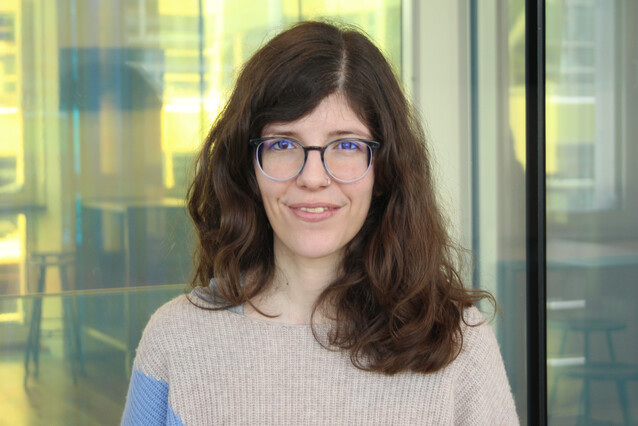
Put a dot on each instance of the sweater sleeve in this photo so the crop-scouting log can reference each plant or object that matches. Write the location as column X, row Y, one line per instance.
column 147, row 400
column 483, row 394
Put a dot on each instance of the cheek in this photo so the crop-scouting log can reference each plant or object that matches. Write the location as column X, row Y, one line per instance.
column 365, row 191
column 270, row 192
column 361, row 198
column 263, row 183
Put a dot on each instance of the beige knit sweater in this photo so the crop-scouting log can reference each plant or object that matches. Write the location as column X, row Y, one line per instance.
column 200, row 367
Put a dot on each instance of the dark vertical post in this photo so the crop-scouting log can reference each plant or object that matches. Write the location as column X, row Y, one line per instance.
column 535, row 211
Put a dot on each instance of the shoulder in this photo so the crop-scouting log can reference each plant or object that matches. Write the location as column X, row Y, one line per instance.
column 171, row 309
column 156, row 339
column 483, row 391
column 182, row 311
column 168, row 318
column 477, row 332
column 479, row 350
column 173, row 326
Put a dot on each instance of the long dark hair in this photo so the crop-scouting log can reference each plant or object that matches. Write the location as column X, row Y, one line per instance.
column 398, row 300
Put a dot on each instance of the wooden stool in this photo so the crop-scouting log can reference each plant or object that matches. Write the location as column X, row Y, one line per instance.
column 72, row 337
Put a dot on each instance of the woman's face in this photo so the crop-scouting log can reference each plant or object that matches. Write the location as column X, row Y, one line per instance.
column 313, row 216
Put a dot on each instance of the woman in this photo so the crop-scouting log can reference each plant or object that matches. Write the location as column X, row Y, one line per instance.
column 325, row 288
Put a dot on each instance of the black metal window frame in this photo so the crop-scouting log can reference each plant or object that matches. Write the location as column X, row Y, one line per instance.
column 535, row 212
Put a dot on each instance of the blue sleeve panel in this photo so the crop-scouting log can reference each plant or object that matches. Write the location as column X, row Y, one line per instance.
column 147, row 402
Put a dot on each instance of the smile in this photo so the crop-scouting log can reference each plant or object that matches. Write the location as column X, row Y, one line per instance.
column 314, row 212
column 314, row 209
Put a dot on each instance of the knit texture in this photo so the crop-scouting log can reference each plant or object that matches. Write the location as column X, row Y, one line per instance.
column 220, row 367
column 147, row 402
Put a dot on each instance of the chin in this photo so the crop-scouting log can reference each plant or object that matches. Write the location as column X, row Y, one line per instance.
column 312, row 248
column 317, row 253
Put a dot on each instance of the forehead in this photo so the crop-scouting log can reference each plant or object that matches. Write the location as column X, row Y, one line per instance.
column 332, row 117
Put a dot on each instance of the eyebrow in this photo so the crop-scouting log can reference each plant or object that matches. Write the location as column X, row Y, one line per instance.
column 338, row 133
column 334, row 134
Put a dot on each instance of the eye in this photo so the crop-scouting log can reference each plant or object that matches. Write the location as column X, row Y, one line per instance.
column 348, row 145
column 280, row 144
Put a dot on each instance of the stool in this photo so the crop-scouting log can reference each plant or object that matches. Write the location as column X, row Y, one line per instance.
column 620, row 373
column 72, row 338
column 612, row 371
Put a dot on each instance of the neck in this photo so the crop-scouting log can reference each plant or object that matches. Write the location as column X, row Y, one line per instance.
column 297, row 284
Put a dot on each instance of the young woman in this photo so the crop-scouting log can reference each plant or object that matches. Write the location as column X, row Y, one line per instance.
column 326, row 290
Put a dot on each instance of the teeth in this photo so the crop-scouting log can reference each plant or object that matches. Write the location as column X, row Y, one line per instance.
column 313, row 209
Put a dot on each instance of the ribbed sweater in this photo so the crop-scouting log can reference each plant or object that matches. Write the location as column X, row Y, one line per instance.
column 200, row 367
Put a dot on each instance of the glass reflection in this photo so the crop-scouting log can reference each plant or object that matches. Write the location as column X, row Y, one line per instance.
column 592, row 205
column 102, row 105
column 499, row 177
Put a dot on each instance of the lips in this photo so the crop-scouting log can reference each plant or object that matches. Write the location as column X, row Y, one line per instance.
column 313, row 212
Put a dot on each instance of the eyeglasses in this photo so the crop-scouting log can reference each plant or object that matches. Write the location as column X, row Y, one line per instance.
column 346, row 160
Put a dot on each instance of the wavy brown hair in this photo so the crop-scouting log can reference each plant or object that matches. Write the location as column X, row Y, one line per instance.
column 398, row 298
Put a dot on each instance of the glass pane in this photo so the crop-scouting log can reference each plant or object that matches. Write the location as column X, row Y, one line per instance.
column 102, row 106
column 498, row 173
column 473, row 102
column 592, row 206
column 11, row 153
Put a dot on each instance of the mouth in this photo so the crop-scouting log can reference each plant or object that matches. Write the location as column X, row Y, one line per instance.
column 315, row 209
column 314, row 212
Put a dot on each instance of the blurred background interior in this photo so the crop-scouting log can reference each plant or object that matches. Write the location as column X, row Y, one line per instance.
column 104, row 103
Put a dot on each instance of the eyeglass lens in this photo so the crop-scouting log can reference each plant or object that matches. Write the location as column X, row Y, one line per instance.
column 346, row 160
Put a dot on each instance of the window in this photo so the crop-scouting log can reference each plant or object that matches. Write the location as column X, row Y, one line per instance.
column 583, row 147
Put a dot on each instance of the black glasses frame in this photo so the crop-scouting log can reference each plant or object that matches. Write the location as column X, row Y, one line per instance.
column 257, row 142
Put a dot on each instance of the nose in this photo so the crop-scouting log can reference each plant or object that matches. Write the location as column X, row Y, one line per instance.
column 313, row 175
